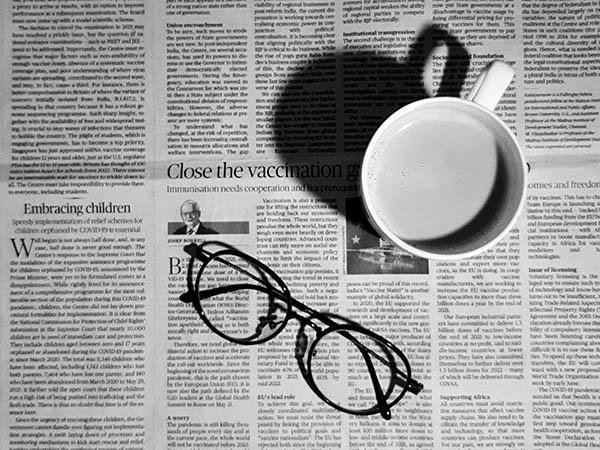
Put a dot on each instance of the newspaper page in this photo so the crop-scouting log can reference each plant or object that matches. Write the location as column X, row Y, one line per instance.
column 124, row 120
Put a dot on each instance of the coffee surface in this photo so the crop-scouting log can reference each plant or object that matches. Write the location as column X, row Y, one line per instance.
column 431, row 176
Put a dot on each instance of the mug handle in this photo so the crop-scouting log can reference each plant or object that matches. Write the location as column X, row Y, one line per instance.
column 491, row 84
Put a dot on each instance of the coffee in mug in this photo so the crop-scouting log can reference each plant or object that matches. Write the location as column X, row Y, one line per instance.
column 445, row 178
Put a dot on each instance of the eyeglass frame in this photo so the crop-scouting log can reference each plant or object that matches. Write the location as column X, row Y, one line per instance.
column 194, row 295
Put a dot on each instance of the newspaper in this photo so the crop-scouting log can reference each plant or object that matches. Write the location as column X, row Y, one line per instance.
column 117, row 116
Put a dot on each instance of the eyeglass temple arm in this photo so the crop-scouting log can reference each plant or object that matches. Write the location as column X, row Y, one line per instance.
column 384, row 409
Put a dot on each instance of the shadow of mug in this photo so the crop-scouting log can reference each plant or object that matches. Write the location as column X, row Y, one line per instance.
column 330, row 107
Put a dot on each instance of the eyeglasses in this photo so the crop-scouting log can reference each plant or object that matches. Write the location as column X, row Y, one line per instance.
column 347, row 366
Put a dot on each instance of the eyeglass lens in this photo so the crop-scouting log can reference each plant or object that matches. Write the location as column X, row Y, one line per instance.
column 339, row 371
column 249, row 310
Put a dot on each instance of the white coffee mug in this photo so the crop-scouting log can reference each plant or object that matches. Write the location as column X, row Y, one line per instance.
column 445, row 178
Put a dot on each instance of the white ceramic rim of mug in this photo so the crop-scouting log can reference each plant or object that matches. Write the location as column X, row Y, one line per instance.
column 380, row 226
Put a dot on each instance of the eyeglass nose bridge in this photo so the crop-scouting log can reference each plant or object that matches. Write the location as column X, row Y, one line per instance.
column 302, row 340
